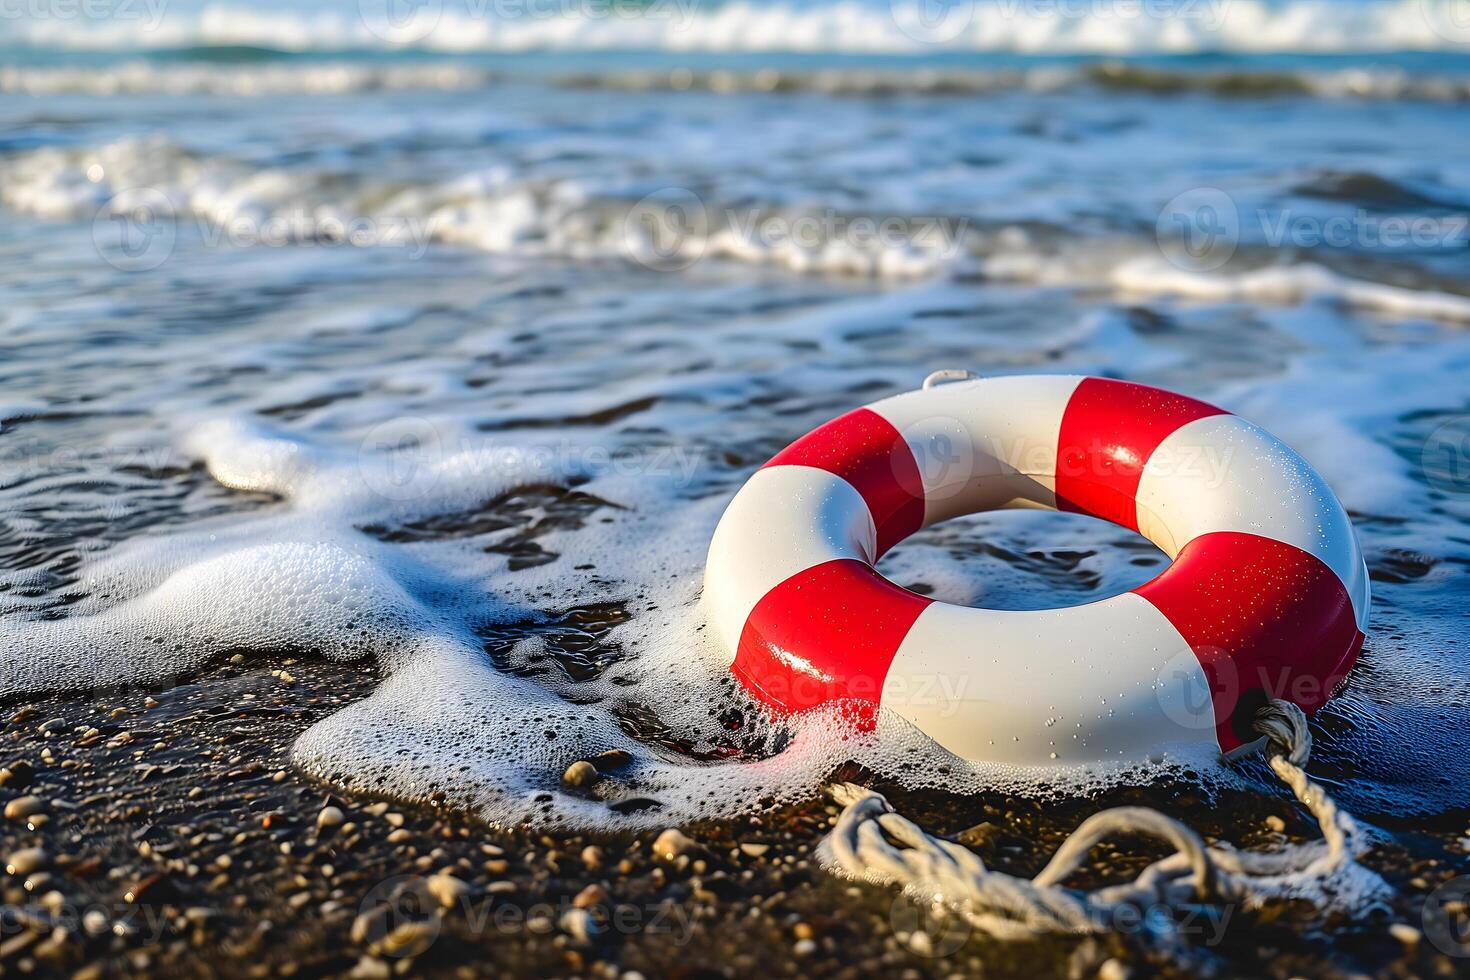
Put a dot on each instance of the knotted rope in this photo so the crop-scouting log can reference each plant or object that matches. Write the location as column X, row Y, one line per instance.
column 873, row 843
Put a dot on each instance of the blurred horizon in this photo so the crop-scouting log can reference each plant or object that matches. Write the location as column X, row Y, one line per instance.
column 923, row 29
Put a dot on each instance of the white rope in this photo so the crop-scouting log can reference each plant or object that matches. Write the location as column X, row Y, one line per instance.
column 873, row 843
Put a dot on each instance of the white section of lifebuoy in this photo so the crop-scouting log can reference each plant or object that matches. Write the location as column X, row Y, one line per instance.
column 1086, row 683
column 983, row 453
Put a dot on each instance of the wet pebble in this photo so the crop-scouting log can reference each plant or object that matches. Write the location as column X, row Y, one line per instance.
column 27, row 860
column 329, row 817
column 22, row 807
column 370, row 968
column 579, row 775
column 1405, row 933
column 579, row 924
column 408, row 939
column 447, row 890
column 591, row 897
column 671, row 844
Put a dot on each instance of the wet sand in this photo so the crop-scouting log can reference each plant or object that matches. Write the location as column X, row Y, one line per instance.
column 162, row 832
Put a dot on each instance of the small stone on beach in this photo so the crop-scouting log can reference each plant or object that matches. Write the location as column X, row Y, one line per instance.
column 447, row 890
column 672, row 843
column 26, row 860
column 22, row 807
column 1405, row 933
column 579, row 774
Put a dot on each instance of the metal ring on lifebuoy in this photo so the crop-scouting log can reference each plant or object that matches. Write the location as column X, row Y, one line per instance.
column 1266, row 595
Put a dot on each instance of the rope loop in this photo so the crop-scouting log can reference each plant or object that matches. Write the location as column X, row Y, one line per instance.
column 873, row 843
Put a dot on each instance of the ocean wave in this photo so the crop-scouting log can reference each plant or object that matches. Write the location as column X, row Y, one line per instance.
column 227, row 202
column 138, row 76
column 1116, row 27
column 1354, row 83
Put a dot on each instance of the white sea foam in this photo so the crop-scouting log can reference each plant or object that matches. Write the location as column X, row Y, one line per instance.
column 846, row 26
column 226, row 201
column 137, row 77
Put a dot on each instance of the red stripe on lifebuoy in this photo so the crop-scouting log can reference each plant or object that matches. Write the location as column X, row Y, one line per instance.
column 1264, row 618
column 863, row 448
column 828, row 632
column 1109, row 430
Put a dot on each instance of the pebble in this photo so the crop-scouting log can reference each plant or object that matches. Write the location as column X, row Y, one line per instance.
column 27, row 860
column 579, row 774
column 579, row 924
column 369, row 924
column 1113, row 969
column 593, row 856
column 1405, row 933
column 17, row 944
column 330, row 816
column 22, row 807
column 399, row 836
column 754, row 850
column 672, row 843
column 409, row 939
column 95, row 923
column 370, row 968
column 590, row 897
column 806, row 947
column 447, row 890
column 1275, row 824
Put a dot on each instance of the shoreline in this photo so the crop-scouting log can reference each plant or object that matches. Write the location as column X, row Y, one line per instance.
column 177, row 838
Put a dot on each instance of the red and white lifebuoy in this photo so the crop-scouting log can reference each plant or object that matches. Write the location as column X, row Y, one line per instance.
column 1266, row 596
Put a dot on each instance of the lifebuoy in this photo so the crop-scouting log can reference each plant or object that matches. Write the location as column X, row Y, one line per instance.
column 1266, row 594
